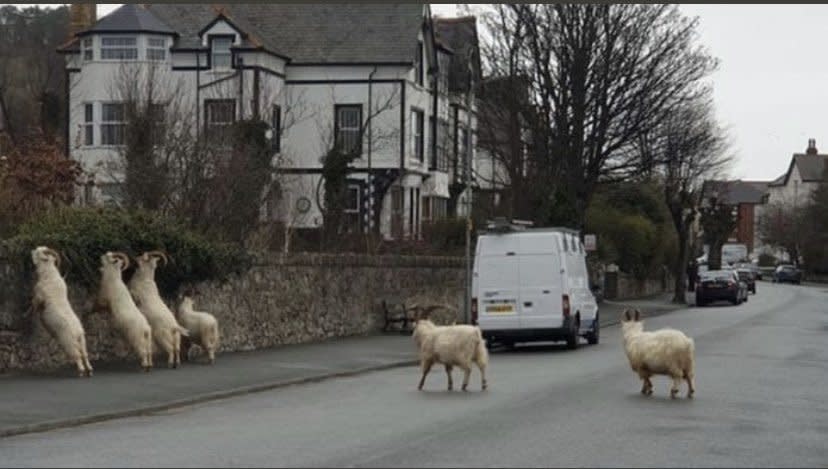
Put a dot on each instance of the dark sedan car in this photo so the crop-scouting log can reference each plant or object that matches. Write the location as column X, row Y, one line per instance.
column 720, row 285
column 749, row 277
column 787, row 273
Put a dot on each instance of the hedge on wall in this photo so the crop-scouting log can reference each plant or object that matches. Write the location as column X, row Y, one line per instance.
column 82, row 235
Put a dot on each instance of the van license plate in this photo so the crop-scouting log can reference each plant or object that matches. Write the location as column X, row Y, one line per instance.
column 499, row 309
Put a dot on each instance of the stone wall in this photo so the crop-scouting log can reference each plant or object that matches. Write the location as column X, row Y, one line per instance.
column 627, row 286
column 279, row 301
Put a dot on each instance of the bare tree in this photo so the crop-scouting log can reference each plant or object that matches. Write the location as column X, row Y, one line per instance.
column 331, row 194
column 601, row 75
column 685, row 150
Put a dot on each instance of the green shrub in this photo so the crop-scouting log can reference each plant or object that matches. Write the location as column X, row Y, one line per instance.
column 82, row 235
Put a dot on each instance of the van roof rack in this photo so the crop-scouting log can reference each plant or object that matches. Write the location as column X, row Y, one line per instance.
column 503, row 225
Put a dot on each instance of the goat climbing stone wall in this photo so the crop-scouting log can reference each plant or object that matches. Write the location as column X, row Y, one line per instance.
column 297, row 299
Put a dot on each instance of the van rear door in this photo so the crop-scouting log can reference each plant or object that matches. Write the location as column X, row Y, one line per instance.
column 498, row 282
column 540, row 281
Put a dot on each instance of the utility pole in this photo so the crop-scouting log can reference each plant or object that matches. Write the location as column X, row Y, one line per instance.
column 467, row 177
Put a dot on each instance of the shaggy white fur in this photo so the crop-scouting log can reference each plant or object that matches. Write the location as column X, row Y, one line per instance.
column 115, row 297
column 663, row 352
column 456, row 345
column 203, row 328
column 51, row 301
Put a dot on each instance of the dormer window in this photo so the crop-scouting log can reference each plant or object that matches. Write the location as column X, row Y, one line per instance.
column 119, row 48
column 220, row 51
column 419, row 67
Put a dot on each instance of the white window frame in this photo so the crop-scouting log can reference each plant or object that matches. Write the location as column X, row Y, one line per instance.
column 352, row 212
column 215, row 53
column 418, row 134
column 88, row 49
column 113, row 123
column 121, row 49
column 153, row 47
column 88, row 124
column 348, row 136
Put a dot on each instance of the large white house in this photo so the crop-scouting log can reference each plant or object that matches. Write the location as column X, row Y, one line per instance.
column 315, row 72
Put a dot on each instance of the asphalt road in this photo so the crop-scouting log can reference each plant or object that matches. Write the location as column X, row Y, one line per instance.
column 762, row 375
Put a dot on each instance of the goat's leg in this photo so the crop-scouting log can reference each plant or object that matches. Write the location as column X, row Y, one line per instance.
column 674, row 389
column 483, row 384
column 466, row 374
column 691, row 386
column 450, row 382
column 78, row 359
column 426, row 367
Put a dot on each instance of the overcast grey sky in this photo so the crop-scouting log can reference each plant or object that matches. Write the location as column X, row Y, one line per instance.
column 771, row 84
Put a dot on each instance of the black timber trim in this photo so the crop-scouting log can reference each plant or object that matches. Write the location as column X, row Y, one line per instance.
column 261, row 69
column 261, row 49
column 109, row 32
column 342, row 82
column 222, row 17
column 348, row 64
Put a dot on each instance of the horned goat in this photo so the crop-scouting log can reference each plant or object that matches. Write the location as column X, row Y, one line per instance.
column 165, row 329
column 115, row 297
column 202, row 326
column 456, row 345
column 51, row 303
column 663, row 352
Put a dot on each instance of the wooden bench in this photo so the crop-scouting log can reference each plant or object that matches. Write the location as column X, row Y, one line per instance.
column 396, row 312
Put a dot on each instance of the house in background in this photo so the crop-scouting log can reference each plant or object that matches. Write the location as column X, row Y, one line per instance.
column 805, row 172
column 316, row 73
column 745, row 197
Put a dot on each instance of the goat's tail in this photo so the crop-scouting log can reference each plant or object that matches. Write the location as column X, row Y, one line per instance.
column 482, row 353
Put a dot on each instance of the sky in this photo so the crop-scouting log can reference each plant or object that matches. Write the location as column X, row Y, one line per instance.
column 770, row 87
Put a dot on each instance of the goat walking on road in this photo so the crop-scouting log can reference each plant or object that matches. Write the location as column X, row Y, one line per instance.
column 455, row 345
column 663, row 352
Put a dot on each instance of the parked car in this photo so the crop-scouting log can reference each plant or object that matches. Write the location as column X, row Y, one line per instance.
column 532, row 285
column 757, row 272
column 749, row 277
column 787, row 273
column 717, row 285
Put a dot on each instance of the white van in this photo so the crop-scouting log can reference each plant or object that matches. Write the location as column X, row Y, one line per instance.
column 531, row 284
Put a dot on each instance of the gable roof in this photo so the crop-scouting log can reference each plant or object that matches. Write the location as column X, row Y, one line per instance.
column 129, row 18
column 309, row 32
column 460, row 34
column 812, row 168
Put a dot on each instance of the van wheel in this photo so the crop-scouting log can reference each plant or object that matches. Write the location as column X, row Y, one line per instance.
column 572, row 338
column 594, row 335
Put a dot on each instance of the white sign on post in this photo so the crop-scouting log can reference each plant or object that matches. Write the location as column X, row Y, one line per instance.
column 590, row 242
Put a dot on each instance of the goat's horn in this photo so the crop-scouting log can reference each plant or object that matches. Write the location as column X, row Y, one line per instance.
column 637, row 314
column 160, row 254
column 124, row 258
column 627, row 315
column 54, row 254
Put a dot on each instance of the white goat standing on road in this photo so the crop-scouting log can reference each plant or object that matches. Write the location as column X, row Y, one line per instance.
column 457, row 345
column 663, row 352
column 126, row 317
column 165, row 329
column 51, row 301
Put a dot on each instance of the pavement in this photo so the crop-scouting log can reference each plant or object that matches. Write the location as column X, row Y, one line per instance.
column 761, row 375
column 37, row 402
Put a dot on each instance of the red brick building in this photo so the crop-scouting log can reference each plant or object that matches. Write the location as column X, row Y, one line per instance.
column 745, row 196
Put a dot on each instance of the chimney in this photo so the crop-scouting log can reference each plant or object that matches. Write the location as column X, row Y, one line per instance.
column 82, row 16
column 812, row 149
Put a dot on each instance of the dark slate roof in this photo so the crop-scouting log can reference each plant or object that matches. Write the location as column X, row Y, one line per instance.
column 460, row 34
column 811, row 167
column 309, row 32
column 129, row 18
column 736, row 192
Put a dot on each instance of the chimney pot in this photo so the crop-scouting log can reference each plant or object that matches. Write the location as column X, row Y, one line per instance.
column 812, row 149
